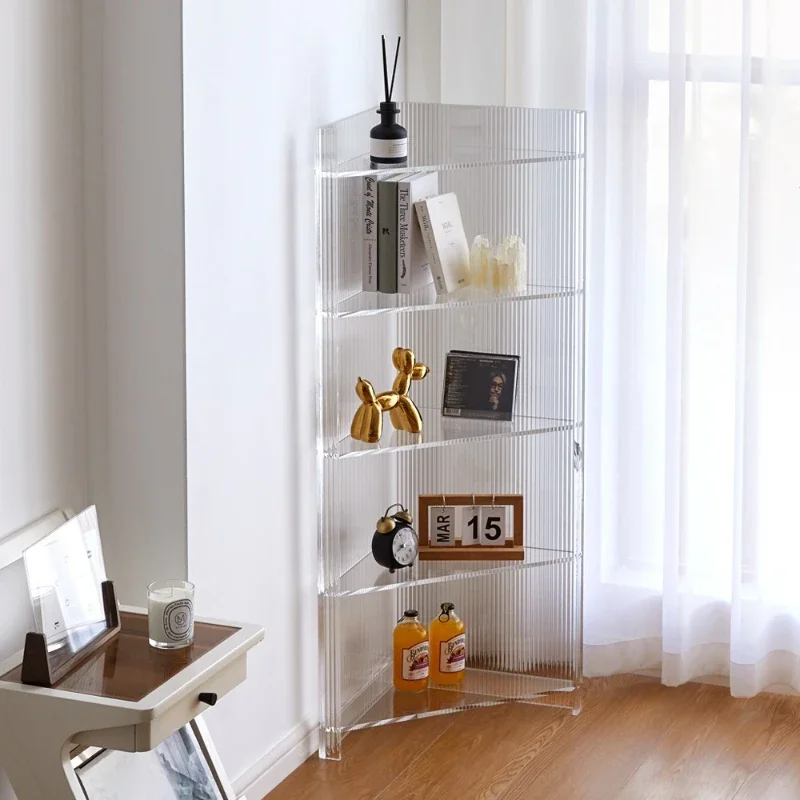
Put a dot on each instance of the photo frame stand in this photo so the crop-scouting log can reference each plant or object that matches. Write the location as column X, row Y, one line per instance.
column 40, row 668
column 512, row 550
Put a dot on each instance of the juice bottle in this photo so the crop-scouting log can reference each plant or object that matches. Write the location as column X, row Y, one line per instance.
column 410, row 654
column 448, row 647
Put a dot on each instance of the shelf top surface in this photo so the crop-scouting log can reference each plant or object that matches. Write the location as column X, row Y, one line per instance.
column 425, row 298
column 478, row 688
column 439, row 431
column 127, row 668
column 458, row 157
column 366, row 576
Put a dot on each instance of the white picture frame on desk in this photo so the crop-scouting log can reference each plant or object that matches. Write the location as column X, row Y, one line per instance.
column 186, row 765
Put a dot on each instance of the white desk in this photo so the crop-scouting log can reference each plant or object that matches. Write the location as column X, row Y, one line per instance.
column 126, row 697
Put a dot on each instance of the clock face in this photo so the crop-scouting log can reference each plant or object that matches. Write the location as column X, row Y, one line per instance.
column 405, row 546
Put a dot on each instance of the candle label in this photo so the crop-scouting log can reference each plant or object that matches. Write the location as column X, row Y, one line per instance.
column 178, row 619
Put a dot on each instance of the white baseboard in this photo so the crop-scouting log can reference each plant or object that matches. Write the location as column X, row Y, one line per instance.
column 278, row 762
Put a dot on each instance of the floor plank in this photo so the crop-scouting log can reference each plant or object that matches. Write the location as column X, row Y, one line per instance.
column 703, row 753
column 494, row 742
column 778, row 775
column 620, row 729
column 635, row 740
column 372, row 760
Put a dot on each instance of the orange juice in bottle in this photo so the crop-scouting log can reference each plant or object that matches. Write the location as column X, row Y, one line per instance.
column 410, row 654
column 448, row 647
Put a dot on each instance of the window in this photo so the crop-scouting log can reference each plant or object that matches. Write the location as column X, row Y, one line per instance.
column 708, row 188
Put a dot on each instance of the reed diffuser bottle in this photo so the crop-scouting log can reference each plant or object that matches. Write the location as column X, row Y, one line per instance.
column 388, row 141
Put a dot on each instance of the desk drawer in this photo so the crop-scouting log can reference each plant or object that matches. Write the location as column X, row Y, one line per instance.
column 150, row 734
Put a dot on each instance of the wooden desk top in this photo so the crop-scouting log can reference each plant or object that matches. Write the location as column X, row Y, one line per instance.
column 127, row 668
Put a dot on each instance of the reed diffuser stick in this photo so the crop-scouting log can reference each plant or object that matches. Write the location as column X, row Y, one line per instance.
column 385, row 70
column 394, row 70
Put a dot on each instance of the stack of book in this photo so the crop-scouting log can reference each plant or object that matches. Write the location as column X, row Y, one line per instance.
column 411, row 235
column 399, row 254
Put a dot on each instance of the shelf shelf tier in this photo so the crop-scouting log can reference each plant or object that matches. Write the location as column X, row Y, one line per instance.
column 543, row 468
column 523, row 643
column 546, row 333
column 515, row 172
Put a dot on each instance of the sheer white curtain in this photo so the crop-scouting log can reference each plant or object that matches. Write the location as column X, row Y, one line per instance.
column 692, row 528
column 693, row 532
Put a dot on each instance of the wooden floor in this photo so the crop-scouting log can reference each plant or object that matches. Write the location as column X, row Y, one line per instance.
column 634, row 740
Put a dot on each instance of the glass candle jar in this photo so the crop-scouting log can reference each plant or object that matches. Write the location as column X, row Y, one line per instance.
column 170, row 614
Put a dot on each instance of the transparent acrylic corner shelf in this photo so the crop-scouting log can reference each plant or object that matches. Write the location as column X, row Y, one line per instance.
column 426, row 299
column 441, row 431
column 381, row 705
column 367, row 577
column 516, row 172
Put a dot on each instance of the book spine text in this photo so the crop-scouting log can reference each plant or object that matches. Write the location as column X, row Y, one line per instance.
column 403, row 238
column 369, row 257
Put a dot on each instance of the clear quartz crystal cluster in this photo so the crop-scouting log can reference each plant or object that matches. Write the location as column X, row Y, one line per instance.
column 500, row 272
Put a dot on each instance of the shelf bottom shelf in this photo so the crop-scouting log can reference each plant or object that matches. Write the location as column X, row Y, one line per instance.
column 380, row 704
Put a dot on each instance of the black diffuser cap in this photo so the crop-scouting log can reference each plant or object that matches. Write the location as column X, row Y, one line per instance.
column 410, row 613
column 388, row 108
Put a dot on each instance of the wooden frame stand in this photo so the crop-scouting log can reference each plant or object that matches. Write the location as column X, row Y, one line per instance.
column 513, row 550
column 41, row 668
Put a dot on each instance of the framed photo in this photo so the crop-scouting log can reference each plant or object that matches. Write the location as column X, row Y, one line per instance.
column 65, row 572
column 480, row 385
column 183, row 767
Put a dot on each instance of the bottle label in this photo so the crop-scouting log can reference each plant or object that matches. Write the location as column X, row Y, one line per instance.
column 453, row 654
column 415, row 662
column 388, row 148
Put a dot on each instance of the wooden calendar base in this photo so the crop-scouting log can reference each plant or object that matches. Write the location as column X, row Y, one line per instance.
column 510, row 552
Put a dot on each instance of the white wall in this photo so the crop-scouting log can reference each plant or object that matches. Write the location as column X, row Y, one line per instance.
column 92, row 228
column 42, row 398
column 258, row 77
column 133, row 139
column 521, row 52
column 91, row 283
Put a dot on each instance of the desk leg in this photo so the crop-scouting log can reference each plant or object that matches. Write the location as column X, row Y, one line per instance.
column 45, row 773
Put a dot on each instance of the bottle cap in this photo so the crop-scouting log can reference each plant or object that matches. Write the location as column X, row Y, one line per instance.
column 448, row 607
column 388, row 107
column 410, row 613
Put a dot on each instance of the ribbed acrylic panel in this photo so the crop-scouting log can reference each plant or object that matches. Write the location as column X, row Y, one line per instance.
column 515, row 171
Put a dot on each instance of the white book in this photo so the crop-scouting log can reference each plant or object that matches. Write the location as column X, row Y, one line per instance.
column 412, row 258
column 369, row 222
column 445, row 241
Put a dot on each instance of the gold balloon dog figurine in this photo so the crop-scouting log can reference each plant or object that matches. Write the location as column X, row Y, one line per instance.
column 367, row 425
column 405, row 415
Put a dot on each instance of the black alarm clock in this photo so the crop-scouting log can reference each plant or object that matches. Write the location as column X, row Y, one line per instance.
column 395, row 543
